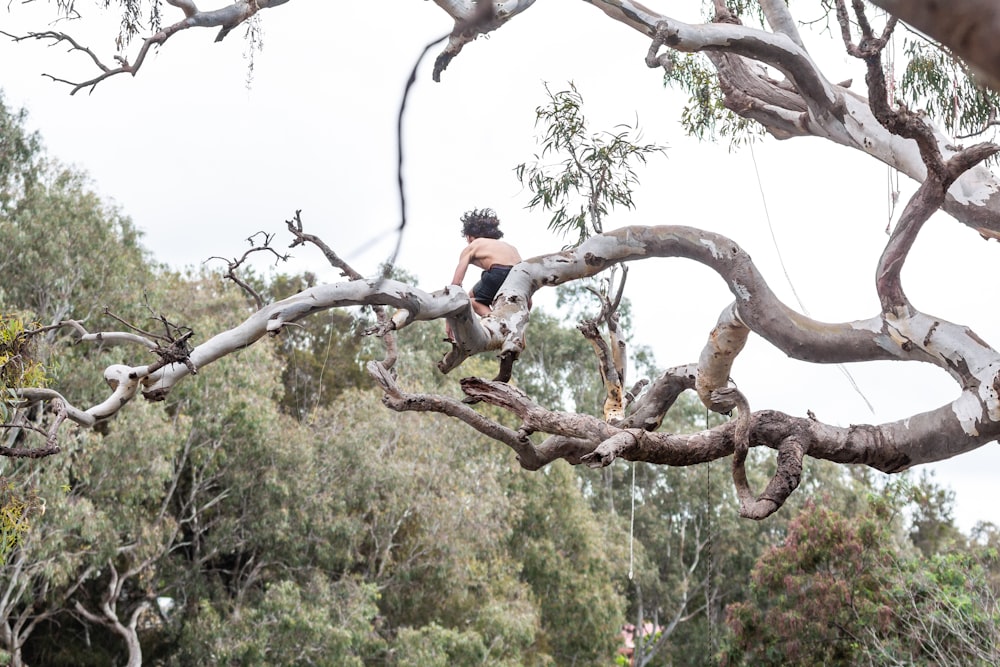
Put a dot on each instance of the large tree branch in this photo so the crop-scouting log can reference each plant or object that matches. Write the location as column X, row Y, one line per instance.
column 897, row 333
column 833, row 113
column 888, row 336
column 472, row 19
column 890, row 447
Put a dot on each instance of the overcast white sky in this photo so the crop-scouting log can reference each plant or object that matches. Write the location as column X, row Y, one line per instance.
column 200, row 161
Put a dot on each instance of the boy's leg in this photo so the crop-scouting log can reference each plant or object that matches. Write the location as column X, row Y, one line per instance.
column 480, row 309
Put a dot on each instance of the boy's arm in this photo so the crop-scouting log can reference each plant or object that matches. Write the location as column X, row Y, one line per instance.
column 464, row 259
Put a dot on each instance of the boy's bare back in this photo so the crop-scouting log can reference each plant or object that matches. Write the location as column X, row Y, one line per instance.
column 484, row 253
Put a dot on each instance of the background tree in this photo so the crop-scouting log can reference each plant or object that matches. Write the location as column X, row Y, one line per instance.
column 849, row 591
column 321, row 361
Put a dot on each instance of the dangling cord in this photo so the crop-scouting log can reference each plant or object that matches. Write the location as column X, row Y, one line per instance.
column 709, row 556
column 788, row 278
column 631, row 530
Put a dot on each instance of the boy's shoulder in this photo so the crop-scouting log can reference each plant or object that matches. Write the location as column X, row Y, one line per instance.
column 484, row 242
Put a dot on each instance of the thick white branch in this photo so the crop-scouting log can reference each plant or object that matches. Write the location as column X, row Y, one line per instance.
column 969, row 421
column 781, row 20
column 419, row 305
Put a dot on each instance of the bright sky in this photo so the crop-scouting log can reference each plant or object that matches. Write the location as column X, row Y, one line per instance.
column 200, row 160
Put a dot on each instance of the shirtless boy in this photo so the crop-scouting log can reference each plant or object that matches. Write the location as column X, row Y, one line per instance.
column 481, row 230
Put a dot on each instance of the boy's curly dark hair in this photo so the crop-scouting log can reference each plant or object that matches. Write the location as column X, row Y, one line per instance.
column 481, row 224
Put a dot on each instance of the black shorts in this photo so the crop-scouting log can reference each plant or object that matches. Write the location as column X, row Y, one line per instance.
column 486, row 289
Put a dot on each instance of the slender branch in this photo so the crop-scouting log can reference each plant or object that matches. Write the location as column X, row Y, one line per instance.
column 233, row 264
column 225, row 18
column 400, row 401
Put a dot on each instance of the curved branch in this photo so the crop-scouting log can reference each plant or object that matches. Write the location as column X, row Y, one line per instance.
column 400, row 401
column 891, row 447
column 785, row 479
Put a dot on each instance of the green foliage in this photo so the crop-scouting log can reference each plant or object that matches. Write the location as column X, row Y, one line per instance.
column 81, row 254
column 595, row 167
column 435, row 646
column 943, row 611
column 932, row 523
column 845, row 591
column 320, row 359
column 423, row 512
column 20, row 153
column 570, row 560
column 943, row 86
column 66, row 253
column 558, row 369
column 705, row 116
column 19, row 366
column 317, row 622
column 15, row 517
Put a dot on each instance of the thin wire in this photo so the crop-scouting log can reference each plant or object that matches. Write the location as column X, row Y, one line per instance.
column 710, row 556
column 788, row 278
column 631, row 531
column 774, row 239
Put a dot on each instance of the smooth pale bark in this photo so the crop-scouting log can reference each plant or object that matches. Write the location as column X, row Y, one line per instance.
column 108, row 614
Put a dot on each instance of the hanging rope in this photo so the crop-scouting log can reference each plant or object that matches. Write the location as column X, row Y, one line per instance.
column 788, row 278
column 631, row 531
column 709, row 551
